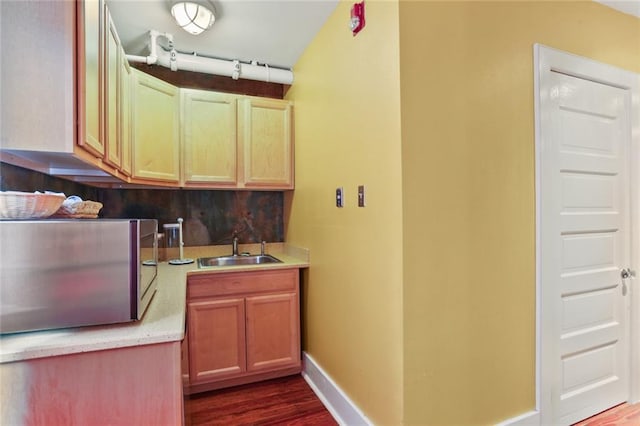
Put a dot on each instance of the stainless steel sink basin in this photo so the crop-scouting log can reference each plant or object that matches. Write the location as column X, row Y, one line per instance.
column 257, row 259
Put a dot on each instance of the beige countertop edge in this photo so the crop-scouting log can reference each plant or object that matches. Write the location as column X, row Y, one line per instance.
column 164, row 321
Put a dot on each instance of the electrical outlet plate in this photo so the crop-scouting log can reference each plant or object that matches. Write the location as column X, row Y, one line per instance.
column 339, row 197
column 361, row 202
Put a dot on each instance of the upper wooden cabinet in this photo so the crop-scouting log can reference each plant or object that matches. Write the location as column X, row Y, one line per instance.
column 90, row 65
column 125, row 128
column 209, row 138
column 112, row 137
column 100, row 99
column 236, row 141
column 104, row 123
column 39, row 92
column 156, row 147
column 266, row 143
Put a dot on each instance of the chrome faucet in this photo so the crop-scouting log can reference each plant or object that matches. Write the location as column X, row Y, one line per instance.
column 235, row 246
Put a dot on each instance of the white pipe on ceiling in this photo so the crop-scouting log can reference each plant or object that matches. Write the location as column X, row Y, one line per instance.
column 234, row 69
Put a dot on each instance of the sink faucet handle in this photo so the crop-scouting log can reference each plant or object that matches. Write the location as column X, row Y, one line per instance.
column 235, row 245
column 262, row 247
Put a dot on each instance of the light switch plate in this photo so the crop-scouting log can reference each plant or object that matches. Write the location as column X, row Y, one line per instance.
column 361, row 202
column 339, row 197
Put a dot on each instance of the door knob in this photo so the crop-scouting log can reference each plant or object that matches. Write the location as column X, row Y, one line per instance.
column 627, row 273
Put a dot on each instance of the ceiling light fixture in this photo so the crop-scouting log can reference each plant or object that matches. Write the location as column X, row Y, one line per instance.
column 193, row 16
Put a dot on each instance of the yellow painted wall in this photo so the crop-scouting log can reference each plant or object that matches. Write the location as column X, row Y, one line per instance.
column 347, row 124
column 469, row 197
column 431, row 107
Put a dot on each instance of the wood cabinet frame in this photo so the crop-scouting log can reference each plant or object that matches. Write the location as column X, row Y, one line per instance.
column 111, row 116
column 90, row 91
column 249, row 145
column 156, row 150
column 257, row 336
column 74, row 136
column 266, row 143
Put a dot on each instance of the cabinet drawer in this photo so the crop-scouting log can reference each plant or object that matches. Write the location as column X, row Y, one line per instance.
column 223, row 284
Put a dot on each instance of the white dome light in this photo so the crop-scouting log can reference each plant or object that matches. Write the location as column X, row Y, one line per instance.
column 192, row 17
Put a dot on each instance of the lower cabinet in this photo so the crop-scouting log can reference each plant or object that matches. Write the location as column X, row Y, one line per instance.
column 217, row 344
column 135, row 385
column 242, row 327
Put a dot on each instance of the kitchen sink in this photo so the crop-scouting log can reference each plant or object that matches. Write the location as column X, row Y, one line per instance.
column 256, row 259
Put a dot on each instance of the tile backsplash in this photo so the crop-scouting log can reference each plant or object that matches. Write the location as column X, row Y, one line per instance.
column 210, row 217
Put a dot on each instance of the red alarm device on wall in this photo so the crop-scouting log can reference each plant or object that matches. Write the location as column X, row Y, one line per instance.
column 357, row 17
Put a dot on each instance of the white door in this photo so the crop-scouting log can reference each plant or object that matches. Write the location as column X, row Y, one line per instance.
column 584, row 244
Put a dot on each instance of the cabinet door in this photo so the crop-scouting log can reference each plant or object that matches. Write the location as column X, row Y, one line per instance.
column 209, row 137
column 184, row 359
column 112, row 138
column 90, row 77
column 38, row 80
column 216, row 339
column 267, row 146
column 273, row 332
column 156, row 123
column 125, row 113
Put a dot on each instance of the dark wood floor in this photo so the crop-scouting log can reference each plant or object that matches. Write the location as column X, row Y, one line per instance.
column 284, row 401
column 290, row 401
column 621, row 415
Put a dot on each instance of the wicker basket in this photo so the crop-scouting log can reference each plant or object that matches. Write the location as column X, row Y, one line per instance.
column 28, row 205
column 76, row 208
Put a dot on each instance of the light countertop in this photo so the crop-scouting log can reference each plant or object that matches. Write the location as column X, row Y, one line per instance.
column 164, row 320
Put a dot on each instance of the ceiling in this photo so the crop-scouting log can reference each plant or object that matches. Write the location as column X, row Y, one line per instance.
column 631, row 7
column 272, row 32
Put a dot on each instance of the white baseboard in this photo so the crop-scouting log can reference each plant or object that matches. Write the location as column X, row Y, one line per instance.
column 343, row 410
column 346, row 413
column 532, row 418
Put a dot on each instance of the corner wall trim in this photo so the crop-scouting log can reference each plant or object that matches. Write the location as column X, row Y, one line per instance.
column 343, row 410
